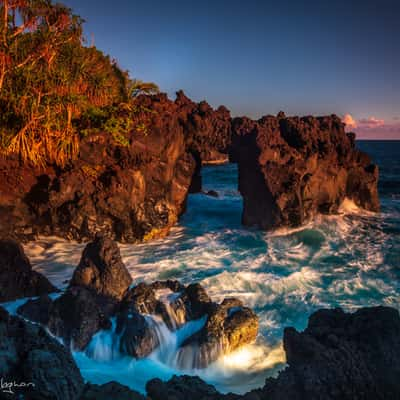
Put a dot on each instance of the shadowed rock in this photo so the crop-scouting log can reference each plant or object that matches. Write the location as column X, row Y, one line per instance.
column 17, row 279
column 28, row 354
column 342, row 357
column 138, row 337
column 111, row 390
column 76, row 316
column 101, row 269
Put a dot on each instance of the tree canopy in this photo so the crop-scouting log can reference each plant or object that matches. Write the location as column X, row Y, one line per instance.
column 53, row 89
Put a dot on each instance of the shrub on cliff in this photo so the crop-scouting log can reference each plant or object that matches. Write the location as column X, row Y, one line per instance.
column 52, row 87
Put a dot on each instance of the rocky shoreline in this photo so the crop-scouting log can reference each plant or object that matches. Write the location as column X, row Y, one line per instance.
column 290, row 169
column 338, row 356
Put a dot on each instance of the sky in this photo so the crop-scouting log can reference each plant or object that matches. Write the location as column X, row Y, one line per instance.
column 259, row 57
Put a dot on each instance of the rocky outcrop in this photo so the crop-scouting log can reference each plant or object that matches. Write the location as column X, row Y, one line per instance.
column 134, row 190
column 341, row 356
column 229, row 326
column 293, row 168
column 17, row 279
column 101, row 269
column 28, row 355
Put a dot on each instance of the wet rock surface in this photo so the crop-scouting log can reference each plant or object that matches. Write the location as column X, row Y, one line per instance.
column 293, row 168
column 229, row 326
column 339, row 356
column 28, row 354
column 76, row 316
column 101, row 269
column 17, row 279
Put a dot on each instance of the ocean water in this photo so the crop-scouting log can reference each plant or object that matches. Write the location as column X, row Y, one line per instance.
column 349, row 260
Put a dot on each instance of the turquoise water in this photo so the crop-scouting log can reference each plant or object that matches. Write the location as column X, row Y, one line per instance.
column 349, row 260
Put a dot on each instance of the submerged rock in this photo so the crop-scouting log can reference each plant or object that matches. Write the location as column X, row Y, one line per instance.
column 293, row 168
column 138, row 336
column 29, row 355
column 101, row 269
column 17, row 279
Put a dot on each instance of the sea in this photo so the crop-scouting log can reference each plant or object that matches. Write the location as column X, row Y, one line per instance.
column 349, row 260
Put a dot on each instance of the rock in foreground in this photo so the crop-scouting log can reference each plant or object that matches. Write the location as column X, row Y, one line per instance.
column 29, row 355
column 101, row 269
column 342, row 357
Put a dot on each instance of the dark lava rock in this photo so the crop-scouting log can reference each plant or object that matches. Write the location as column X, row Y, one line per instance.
column 134, row 193
column 101, row 269
column 229, row 326
column 28, row 354
column 76, row 316
column 180, row 388
column 293, row 168
column 138, row 338
column 342, row 356
column 37, row 310
column 17, row 279
column 211, row 193
column 111, row 390
column 141, row 299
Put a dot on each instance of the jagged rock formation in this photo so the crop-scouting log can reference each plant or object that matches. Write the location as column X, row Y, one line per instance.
column 29, row 355
column 342, row 356
column 133, row 193
column 229, row 326
column 339, row 356
column 101, row 269
column 99, row 291
column 17, row 279
column 293, row 168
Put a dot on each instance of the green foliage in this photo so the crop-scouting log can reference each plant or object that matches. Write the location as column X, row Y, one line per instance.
column 53, row 90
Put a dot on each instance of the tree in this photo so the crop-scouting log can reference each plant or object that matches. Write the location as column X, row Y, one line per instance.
column 52, row 88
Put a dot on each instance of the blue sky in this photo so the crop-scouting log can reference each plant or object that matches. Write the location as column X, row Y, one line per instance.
column 260, row 57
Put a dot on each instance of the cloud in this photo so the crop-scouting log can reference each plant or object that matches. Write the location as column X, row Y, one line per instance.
column 370, row 122
column 349, row 121
column 372, row 127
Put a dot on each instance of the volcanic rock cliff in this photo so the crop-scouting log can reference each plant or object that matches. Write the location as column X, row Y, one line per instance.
column 289, row 169
column 293, row 168
column 133, row 193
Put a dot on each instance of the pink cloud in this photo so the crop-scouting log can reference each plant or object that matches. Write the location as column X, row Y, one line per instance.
column 372, row 127
column 349, row 121
column 370, row 122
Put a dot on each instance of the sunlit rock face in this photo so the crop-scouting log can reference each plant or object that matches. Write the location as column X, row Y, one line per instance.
column 292, row 168
column 227, row 326
column 134, row 192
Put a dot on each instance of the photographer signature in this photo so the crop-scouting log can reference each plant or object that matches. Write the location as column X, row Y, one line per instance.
column 8, row 387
